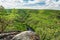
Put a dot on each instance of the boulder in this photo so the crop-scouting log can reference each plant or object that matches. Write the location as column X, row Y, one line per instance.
column 26, row 35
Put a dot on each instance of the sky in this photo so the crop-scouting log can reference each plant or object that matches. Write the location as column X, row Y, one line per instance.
column 31, row 4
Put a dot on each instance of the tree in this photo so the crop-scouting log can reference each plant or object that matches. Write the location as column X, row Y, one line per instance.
column 2, row 10
column 2, row 20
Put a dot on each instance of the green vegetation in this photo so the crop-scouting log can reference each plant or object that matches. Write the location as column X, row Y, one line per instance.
column 46, row 23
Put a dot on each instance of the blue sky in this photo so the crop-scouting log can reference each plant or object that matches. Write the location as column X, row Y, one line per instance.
column 31, row 4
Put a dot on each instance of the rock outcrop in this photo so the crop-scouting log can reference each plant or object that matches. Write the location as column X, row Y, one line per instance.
column 26, row 35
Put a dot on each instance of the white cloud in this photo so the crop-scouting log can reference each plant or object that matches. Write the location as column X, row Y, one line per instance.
column 50, row 4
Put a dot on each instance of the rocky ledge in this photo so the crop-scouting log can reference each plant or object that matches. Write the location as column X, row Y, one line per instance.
column 26, row 35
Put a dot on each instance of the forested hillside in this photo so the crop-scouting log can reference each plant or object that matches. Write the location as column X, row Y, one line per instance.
column 46, row 23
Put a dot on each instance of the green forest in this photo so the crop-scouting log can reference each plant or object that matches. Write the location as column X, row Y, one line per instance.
column 46, row 23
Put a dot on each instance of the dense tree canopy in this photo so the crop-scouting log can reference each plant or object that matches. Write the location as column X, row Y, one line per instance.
column 46, row 23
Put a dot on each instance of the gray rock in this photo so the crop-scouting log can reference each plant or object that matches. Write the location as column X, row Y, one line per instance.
column 26, row 35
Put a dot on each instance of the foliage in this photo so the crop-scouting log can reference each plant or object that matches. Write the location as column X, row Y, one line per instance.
column 46, row 23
